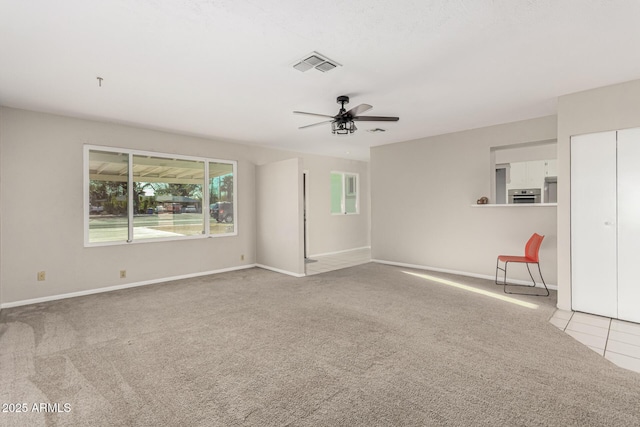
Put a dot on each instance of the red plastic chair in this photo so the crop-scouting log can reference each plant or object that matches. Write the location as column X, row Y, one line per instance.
column 531, row 250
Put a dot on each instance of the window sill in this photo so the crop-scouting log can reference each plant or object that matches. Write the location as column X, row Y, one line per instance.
column 516, row 205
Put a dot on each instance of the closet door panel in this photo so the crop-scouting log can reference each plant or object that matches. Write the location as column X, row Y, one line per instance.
column 629, row 225
column 593, row 224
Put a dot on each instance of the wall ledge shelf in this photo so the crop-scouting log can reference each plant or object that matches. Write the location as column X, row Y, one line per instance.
column 515, row 205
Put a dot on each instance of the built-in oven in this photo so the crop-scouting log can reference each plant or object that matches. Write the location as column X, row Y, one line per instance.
column 525, row 195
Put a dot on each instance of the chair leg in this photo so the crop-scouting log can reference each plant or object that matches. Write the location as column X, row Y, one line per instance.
column 501, row 269
column 542, row 278
column 531, row 275
column 528, row 286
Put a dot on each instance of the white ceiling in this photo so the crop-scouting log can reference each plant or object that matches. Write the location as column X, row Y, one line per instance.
column 223, row 68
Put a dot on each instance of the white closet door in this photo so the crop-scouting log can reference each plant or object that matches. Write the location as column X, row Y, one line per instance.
column 629, row 225
column 593, row 224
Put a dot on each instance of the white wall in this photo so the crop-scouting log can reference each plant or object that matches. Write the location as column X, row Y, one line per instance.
column 332, row 233
column 421, row 197
column 279, row 224
column 326, row 232
column 1, row 257
column 544, row 151
column 608, row 108
column 41, row 190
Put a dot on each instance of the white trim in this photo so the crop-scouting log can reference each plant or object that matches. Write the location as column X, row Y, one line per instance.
column 236, row 199
column 118, row 287
column 340, row 252
column 130, row 205
column 357, row 190
column 145, row 153
column 206, row 203
column 85, row 195
column 153, row 240
column 515, row 205
column 460, row 273
column 278, row 270
column 305, row 209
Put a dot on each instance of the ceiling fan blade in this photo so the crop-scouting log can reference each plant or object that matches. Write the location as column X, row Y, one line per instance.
column 315, row 124
column 359, row 109
column 375, row 119
column 312, row 114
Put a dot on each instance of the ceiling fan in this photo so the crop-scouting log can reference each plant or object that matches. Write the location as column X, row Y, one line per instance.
column 343, row 122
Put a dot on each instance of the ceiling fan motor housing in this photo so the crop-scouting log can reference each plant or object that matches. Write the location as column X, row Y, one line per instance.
column 342, row 100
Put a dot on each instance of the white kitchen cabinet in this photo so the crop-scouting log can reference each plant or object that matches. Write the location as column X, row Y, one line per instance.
column 526, row 174
column 605, row 223
column 535, row 174
column 551, row 167
column 517, row 175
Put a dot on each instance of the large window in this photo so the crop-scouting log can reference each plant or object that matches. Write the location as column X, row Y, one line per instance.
column 137, row 196
column 344, row 193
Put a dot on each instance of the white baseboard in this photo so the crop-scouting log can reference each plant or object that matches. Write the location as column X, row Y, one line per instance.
column 242, row 267
column 460, row 273
column 118, row 287
column 339, row 252
column 278, row 270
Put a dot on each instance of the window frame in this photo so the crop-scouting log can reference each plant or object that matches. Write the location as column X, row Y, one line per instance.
column 87, row 148
column 343, row 198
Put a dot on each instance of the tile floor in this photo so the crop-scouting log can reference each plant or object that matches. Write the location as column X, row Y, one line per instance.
column 617, row 340
column 337, row 261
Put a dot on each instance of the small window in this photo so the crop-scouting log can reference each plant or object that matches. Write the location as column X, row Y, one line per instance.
column 344, row 193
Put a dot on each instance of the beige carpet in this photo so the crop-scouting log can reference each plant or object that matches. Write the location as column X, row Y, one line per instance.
column 365, row 346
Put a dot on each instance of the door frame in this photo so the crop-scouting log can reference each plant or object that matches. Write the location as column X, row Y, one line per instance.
column 305, row 208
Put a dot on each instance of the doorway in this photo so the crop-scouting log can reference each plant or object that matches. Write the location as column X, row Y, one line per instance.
column 304, row 212
column 501, row 184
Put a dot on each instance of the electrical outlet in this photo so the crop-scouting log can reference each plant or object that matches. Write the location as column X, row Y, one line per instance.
column 123, row 274
column 242, row 257
column 41, row 276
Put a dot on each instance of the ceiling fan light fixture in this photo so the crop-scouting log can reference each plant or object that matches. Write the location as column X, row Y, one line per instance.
column 343, row 128
column 343, row 123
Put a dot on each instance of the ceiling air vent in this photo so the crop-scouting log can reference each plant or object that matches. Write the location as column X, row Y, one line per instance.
column 317, row 61
column 302, row 66
column 326, row 66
